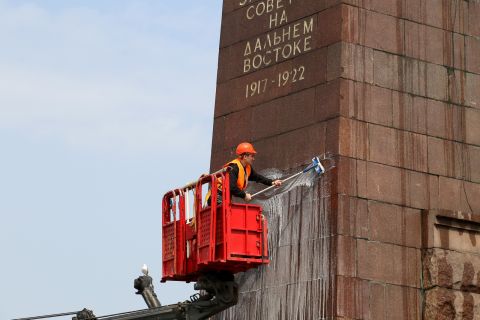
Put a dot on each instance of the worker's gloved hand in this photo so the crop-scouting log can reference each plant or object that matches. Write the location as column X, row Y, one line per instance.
column 248, row 197
column 277, row 183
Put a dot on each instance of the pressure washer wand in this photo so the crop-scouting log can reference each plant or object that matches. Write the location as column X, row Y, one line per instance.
column 316, row 164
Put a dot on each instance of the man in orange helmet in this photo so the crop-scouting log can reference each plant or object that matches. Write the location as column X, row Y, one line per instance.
column 241, row 172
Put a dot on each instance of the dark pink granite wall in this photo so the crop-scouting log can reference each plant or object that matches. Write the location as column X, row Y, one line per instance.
column 392, row 88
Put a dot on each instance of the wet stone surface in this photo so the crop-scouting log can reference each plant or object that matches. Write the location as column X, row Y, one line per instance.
column 297, row 282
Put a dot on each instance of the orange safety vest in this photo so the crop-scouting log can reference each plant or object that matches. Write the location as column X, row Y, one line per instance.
column 242, row 180
column 243, row 174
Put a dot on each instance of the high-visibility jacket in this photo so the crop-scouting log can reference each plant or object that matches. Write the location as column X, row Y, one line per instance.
column 243, row 174
column 242, row 180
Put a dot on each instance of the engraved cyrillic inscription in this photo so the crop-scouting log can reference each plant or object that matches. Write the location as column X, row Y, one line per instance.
column 278, row 45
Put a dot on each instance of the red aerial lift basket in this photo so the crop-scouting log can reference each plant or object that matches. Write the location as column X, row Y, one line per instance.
column 210, row 237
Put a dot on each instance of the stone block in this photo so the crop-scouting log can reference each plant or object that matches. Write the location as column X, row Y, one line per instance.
column 383, row 145
column 409, row 113
column 413, row 151
column 417, row 184
column 298, row 152
column 352, row 216
column 352, row 18
column 460, row 13
column 451, row 195
column 472, row 54
column 413, row 77
column 446, row 158
column 230, row 5
column 413, row 10
column 361, row 178
column 454, row 50
column 446, row 120
column 327, row 101
column 424, row 42
column 345, row 249
column 263, row 85
column 350, row 61
column 334, row 61
column 433, row 13
column 352, row 298
column 350, row 180
column 409, row 75
column 332, row 136
column 473, row 18
column 436, row 112
column 441, row 303
column 344, row 181
column 330, row 26
column 380, row 110
column 385, row 223
column 436, row 156
column 436, row 82
column 378, row 304
column 384, row 183
column 472, row 93
column 456, row 86
column 472, row 190
column 238, row 127
column 403, row 302
column 433, row 191
column 397, row 186
column 378, row 105
column 455, row 16
column 459, row 51
column 472, row 125
column 393, row 224
column 284, row 114
column 386, row 70
column 417, row 187
column 388, row 263
column 366, row 102
column 391, row 8
column 383, row 32
column 434, row 45
column 267, row 148
column 357, row 62
column 295, row 111
column 412, row 229
column 449, row 15
column 473, row 157
column 458, row 195
column 353, row 138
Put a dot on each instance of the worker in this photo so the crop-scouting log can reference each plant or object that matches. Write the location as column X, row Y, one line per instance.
column 241, row 172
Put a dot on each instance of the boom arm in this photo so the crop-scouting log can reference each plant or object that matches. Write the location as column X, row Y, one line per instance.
column 220, row 293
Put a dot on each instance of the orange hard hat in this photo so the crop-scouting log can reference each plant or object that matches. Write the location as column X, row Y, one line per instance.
column 245, row 147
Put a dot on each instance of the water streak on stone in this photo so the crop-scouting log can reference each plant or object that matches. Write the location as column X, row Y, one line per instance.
column 297, row 283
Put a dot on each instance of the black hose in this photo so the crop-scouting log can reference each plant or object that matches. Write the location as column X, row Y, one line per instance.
column 49, row 316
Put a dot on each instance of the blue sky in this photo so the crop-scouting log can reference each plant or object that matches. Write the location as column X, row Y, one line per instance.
column 104, row 106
